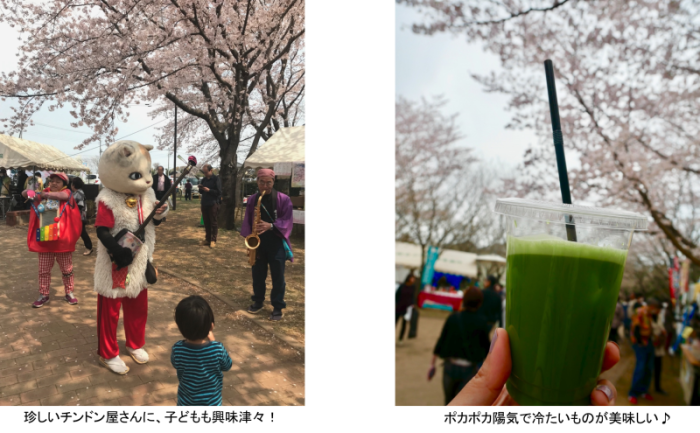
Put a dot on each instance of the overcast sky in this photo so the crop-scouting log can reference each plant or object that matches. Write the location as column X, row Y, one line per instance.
column 441, row 65
column 67, row 140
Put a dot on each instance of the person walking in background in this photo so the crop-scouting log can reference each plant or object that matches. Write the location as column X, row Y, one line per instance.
column 210, row 190
column 617, row 321
column 5, row 182
column 463, row 344
column 492, row 307
column 669, row 324
column 188, row 190
column 21, row 180
column 659, row 342
column 33, row 183
column 641, row 337
column 404, row 302
column 161, row 184
column 76, row 186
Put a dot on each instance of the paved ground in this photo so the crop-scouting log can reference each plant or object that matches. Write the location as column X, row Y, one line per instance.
column 48, row 355
column 413, row 359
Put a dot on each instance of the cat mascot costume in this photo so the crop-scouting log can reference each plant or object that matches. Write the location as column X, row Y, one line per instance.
column 126, row 199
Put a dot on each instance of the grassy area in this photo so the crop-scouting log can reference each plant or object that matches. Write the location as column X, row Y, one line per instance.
column 225, row 269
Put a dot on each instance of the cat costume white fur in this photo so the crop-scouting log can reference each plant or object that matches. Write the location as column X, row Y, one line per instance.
column 124, row 170
column 126, row 218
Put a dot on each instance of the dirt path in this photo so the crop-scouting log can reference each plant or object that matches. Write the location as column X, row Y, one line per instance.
column 413, row 359
column 48, row 355
column 225, row 269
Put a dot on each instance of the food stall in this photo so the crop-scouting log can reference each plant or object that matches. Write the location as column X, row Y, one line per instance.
column 19, row 154
column 453, row 266
column 284, row 153
column 490, row 264
column 408, row 258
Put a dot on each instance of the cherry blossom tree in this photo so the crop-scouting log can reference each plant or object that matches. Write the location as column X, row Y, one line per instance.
column 628, row 81
column 230, row 67
column 442, row 195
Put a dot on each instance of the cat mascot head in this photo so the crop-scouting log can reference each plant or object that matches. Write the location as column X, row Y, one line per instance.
column 126, row 167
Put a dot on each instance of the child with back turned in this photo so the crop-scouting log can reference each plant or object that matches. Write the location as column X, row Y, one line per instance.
column 198, row 359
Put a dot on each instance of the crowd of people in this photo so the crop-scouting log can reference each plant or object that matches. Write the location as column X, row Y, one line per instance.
column 649, row 326
column 468, row 334
column 198, row 359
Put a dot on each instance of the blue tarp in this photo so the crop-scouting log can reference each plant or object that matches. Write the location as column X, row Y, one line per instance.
column 452, row 280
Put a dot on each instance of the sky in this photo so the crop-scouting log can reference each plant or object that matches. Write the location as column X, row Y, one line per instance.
column 427, row 66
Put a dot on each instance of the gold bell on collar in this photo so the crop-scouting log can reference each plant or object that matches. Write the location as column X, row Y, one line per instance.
column 131, row 201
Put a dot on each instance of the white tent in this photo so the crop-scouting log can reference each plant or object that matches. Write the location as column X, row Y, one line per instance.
column 285, row 146
column 457, row 263
column 16, row 152
column 491, row 258
column 408, row 255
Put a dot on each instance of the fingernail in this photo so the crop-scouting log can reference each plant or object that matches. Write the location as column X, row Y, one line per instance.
column 618, row 346
column 493, row 342
column 606, row 390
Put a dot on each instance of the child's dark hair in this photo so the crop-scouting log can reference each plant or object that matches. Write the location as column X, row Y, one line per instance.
column 194, row 317
column 77, row 183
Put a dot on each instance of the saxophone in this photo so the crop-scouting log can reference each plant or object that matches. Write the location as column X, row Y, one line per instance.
column 252, row 241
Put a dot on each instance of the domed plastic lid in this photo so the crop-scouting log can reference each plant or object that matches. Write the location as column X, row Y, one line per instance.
column 560, row 213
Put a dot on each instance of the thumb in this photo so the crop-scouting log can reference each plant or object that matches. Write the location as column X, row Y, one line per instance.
column 488, row 383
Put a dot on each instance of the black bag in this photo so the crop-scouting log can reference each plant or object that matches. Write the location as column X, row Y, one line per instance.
column 413, row 329
column 151, row 273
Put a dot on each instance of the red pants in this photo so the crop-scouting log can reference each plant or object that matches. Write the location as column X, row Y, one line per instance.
column 135, row 316
column 65, row 262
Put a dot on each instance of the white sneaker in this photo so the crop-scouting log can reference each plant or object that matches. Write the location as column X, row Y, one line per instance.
column 139, row 355
column 116, row 365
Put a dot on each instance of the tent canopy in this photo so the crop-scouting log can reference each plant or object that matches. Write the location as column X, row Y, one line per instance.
column 457, row 263
column 491, row 258
column 408, row 255
column 285, row 145
column 16, row 152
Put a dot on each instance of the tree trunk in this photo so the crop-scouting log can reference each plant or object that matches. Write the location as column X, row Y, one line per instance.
column 240, row 192
column 228, row 174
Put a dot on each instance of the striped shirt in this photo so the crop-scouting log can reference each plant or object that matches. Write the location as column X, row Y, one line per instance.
column 199, row 369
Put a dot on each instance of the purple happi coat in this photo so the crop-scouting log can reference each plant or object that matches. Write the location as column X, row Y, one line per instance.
column 284, row 222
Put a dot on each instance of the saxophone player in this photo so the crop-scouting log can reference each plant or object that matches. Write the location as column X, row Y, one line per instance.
column 274, row 229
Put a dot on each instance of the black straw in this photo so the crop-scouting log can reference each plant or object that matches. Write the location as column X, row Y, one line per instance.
column 559, row 146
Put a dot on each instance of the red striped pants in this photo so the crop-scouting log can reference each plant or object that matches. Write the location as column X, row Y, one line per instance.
column 65, row 262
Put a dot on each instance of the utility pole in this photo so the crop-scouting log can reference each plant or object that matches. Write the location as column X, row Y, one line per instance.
column 175, row 161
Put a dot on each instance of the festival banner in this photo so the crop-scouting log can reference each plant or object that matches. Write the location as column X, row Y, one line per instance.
column 429, row 269
column 298, row 175
column 685, row 275
column 674, row 278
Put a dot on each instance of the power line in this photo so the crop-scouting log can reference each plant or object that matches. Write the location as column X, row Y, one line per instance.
column 161, row 121
column 93, row 148
column 62, row 129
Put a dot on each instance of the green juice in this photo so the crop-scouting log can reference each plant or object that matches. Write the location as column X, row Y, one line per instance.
column 560, row 302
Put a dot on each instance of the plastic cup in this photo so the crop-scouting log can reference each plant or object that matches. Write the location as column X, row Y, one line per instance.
column 561, row 295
